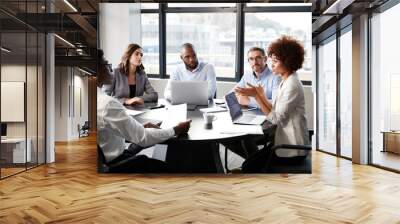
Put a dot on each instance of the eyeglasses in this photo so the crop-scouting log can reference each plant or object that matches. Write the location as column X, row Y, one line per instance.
column 258, row 58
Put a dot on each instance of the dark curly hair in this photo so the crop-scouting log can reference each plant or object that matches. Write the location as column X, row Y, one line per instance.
column 289, row 51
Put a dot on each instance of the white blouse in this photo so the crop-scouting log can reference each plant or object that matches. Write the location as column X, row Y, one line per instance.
column 289, row 114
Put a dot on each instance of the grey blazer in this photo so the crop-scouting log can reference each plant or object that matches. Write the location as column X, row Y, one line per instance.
column 119, row 87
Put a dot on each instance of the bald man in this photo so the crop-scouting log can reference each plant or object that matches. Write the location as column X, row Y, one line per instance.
column 192, row 70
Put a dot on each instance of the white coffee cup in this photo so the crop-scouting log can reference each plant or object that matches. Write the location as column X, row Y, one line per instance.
column 209, row 118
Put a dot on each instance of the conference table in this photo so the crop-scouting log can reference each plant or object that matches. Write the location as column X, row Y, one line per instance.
column 198, row 150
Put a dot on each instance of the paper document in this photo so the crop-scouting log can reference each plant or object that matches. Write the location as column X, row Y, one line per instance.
column 213, row 110
column 242, row 129
column 133, row 112
column 175, row 114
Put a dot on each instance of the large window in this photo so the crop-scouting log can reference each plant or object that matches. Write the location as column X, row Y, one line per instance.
column 263, row 28
column 150, row 43
column 385, row 84
column 327, row 96
column 346, row 94
column 212, row 34
column 213, row 29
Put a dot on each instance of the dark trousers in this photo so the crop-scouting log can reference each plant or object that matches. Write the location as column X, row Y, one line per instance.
column 138, row 163
column 245, row 147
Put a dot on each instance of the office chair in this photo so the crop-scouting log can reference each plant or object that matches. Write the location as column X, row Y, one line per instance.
column 84, row 130
column 113, row 167
column 267, row 160
column 264, row 140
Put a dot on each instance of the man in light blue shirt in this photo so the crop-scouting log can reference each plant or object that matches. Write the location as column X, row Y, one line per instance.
column 192, row 70
column 260, row 75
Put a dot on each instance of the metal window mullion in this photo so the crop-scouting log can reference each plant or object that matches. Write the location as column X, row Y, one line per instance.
column 26, row 87
column 0, row 91
column 37, row 91
column 317, row 97
column 369, row 81
column 338, row 94
column 162, row 24
column 282, row 9
column 239, row 41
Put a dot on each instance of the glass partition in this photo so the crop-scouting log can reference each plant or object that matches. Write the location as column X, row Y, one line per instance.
column 13, row 95
column 385, row 89
column 346, row 94
column 22, row 91
column 327, row 96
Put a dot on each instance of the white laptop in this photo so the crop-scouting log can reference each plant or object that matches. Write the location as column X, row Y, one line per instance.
column 237, row 115
column 190, row 92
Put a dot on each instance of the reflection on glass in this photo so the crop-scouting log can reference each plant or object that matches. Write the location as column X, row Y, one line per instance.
column 327, row 97
column 346, row 94
column 263, row 28
column 14, row 151
column 385, row 87
column 31, row 98
column 212, row 34
column 150, row 43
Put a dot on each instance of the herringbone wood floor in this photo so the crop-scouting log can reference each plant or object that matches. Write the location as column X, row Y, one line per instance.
column 71, row 191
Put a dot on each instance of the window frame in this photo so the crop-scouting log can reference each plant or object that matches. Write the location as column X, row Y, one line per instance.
column 240, row 9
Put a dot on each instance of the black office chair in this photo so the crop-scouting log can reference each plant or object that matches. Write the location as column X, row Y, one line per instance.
column 266, row 139
column 84, row 130
column 113, row 167
column 267, row 160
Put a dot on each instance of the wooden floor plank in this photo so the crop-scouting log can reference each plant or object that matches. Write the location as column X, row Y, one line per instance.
column 71, row 191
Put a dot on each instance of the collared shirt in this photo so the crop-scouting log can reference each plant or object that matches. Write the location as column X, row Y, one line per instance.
column 203, row 72
column 114, row 126
column 269, row 81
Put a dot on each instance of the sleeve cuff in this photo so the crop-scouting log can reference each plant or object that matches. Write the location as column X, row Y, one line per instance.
column 171, row 132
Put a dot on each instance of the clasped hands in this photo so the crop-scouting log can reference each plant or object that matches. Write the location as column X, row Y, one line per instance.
column 134, row 101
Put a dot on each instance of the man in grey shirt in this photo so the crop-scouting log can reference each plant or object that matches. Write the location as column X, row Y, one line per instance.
column 192, row 70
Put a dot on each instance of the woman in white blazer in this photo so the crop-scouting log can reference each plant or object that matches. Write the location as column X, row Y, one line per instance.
column 287, row 111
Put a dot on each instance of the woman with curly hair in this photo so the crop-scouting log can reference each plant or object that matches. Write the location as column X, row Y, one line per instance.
column 288, row 109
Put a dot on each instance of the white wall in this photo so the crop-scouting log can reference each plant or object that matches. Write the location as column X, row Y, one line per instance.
column 71, row 96
column 224, row 87
column 119, row 25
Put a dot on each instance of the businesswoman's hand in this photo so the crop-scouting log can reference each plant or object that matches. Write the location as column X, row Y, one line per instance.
column 134, row 101
column 251, row 90
column 258, row 93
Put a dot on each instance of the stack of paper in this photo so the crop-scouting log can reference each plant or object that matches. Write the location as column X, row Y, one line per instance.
column 133, row 112
column 175, row 114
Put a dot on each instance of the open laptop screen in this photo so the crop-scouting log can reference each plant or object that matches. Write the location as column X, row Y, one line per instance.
column 233, row 105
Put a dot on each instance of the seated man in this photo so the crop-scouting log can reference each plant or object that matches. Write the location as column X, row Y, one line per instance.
column 192, row 70
column 115, row 126
column 260, row 75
